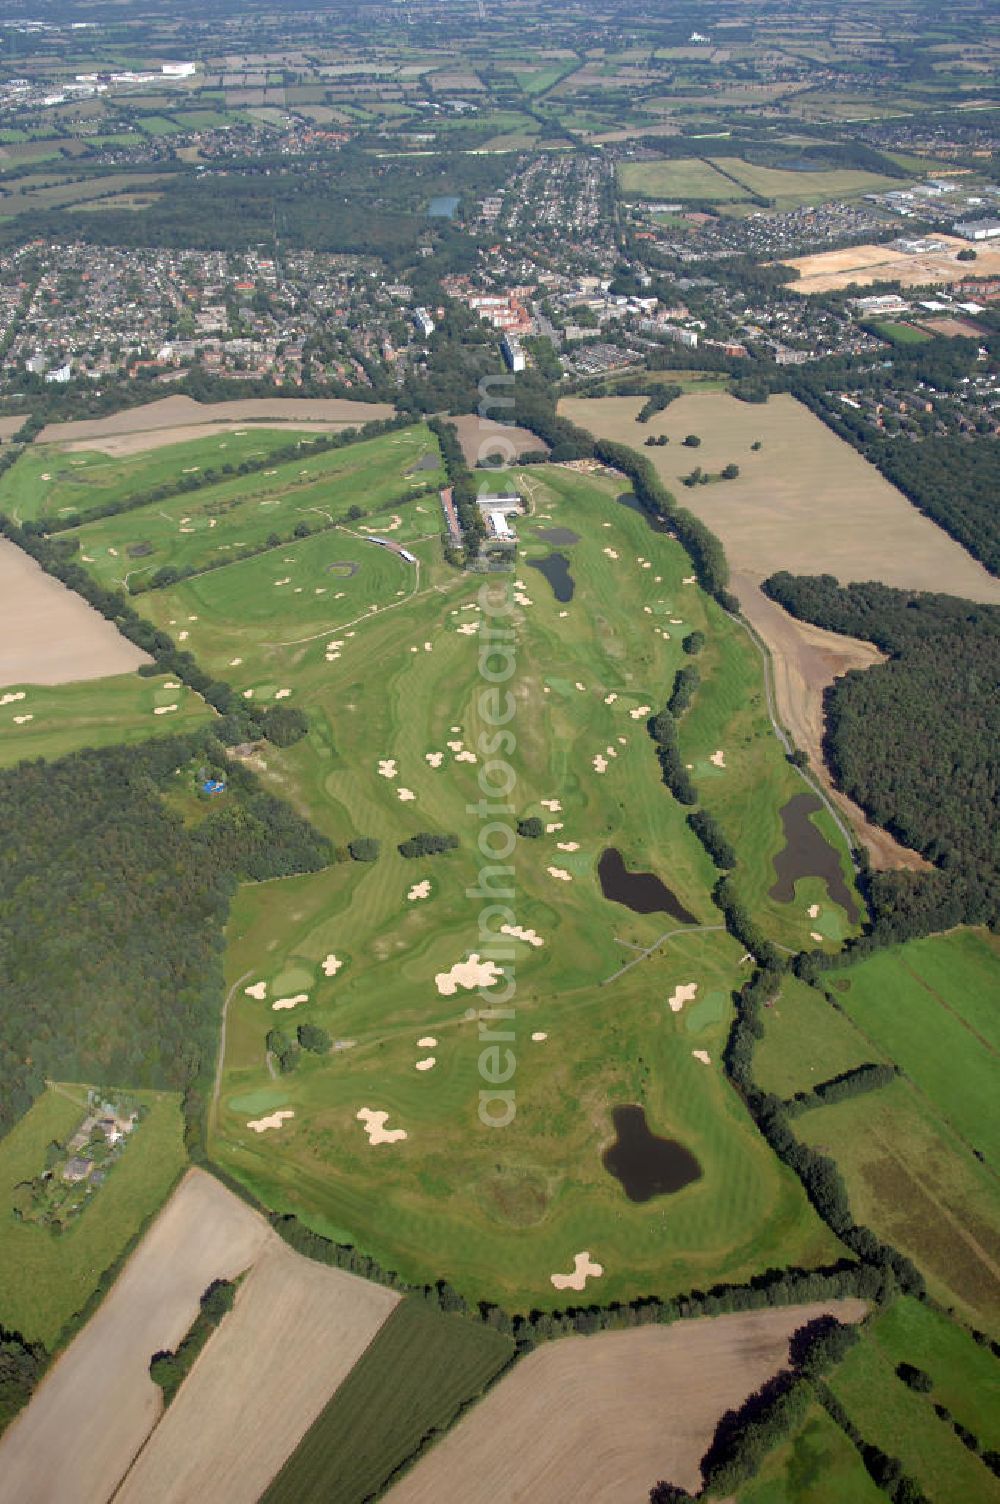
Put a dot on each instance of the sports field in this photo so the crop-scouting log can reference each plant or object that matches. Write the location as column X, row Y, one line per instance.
column 368, row 949
column 47, row 1279
column 240, row 514
column 96, row 713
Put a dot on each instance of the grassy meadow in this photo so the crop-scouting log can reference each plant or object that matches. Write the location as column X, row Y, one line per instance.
column 94, row 713
column 47, row 1279
column 197, row 530
column 414, row 1379
column 396, row 735
column 807, row 1040
column 818, row 1465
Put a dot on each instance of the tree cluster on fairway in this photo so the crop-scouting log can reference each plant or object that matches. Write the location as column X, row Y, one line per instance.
column 110, row 959
column 916, row 741
column 427, row 843
column 364, row 849
column 170, row 1369
column 531, row 828
column 686, row 681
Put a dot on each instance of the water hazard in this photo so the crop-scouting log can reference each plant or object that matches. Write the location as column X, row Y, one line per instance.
column 658, row 523
column 807, row 853
column 555, row 568
column 644, row 1164
column 561, row 537
column 642, row 892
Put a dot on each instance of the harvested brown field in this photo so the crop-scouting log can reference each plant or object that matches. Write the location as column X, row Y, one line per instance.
column 172, row 412
column 49, row 635
column 828, row 271
column 296, row 1332
column 806, row 502
column 96, row 1407
column 481, row 438
column 9, row 426
column 950, row 328
column 603, row 1418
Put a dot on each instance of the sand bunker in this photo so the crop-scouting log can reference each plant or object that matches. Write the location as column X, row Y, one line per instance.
column 273, row 1120
column 387, row 767
column 600, row 764
column 584, row 1268
column 703, row 1056
column 435, row 759
column 427, row 1042
column 426, row 1064
column 164, row 709
column 290, row 1002
column 539, row 1036
column 815, row 935
column 640, row 710
column 420, row 890
column 282, row 694
column 718, row 759
column 10, row 699
column 813, row 911
column 466, row 757
column 567, row 845
column 171, row 684
column 257, row 990
column 522, row 599
column 553, row 826
column 22, row 720
column 406, row 795
column 552, row 805
column 611, row 698
column 331, row 965
column 560, row 873
column 470, row 973
column 684, row 992
column 530, row 937
column 581, row 687
column 612, row 553
column 374, row 1125
column 689, row 579
column 469, row 628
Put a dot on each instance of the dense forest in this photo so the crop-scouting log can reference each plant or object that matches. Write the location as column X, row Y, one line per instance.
column 916, row 741
column 111, row 927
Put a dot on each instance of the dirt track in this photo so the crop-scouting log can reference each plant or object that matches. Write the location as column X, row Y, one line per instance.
column 296, row 1332
column 49, row 635
column 598, row 1420
column 95, row 1408
column 177, row 411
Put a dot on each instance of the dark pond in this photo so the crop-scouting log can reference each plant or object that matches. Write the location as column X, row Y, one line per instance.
column 555, row 568
column 807, row 853
column 428, row 461
column 642, row 892
column 644, row 1164
column 443, row 207
column 657, row 523
column 558, row 535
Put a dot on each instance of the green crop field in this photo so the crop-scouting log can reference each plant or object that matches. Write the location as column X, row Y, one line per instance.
column 94, row 713
column 47, row 1279
column 677, row 177
column 931, row 1005
column 202, row 529
column 903, row 1423
column 919, row 1187
column 819, row 1465
column 416, row 1376
column 788, row 188
column 395, row 736
column 52, row 480
column 807, row 1040
column 966, row 1377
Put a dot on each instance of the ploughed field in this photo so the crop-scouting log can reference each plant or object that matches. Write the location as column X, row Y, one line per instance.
column 379, row 1142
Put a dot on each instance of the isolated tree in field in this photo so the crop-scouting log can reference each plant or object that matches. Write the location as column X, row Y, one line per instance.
column 531, row 828
column 283, row 725
column 693, row 643
column 364, row 849
column 691, row 441
column 314, row 1039
column 729, row 472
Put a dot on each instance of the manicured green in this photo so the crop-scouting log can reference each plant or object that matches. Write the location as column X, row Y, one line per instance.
column 497, row 1213
column 931, row 1004
column 47, row 1279
column 239, row 514
column 819, row 1465
column 52, row 480
column 903, row 1424
column 421, row 1369
column 94, row 713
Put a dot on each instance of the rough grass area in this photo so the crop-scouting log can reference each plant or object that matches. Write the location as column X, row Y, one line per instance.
column 819, row 1465
column 420, row 1371
column 807, row 1040
column 48, row 1279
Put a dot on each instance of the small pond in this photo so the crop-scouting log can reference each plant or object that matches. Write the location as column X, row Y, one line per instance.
column 642, row 892
column 559, row 536
column 657, row 523
column 555, row 568
column 444, row 206
column 644, row 1164
column 807, row 853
